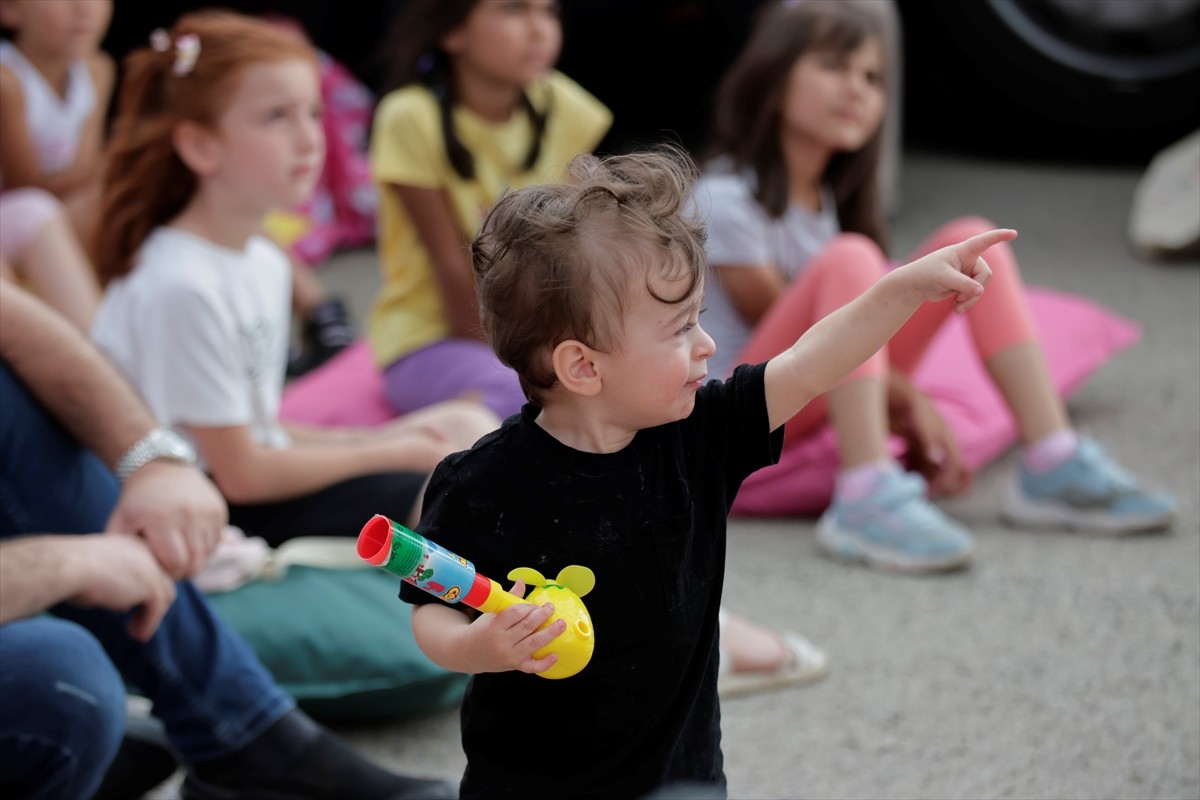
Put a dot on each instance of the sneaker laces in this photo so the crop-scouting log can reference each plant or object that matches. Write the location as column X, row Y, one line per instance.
column 898, row 490
column 903, row 493
column 1111, row 474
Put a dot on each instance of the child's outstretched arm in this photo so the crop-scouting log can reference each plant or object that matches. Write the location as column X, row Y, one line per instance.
column 832, row 348
column 490, row 642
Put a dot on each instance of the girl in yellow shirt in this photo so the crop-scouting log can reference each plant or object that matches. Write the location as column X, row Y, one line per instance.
column 478, row 109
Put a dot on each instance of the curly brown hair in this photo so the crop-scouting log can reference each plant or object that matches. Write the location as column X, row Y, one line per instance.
column 557, row 262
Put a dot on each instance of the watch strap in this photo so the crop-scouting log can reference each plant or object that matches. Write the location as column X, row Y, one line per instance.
column 158, row 443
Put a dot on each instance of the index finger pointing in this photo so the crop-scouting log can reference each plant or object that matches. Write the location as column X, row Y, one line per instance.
column 973, row 247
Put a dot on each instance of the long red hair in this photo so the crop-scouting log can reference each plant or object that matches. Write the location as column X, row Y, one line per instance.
column 146, row 184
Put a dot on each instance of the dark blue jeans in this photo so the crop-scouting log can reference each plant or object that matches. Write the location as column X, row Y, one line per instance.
column 62, row 710
column 207, row 686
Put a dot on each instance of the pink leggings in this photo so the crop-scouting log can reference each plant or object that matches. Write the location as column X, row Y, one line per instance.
column 850, row 264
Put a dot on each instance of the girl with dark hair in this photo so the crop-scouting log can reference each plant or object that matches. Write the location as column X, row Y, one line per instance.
column 473, row 107
column 791, row 198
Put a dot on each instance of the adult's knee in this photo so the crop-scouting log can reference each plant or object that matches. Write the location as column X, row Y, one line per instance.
column 62, row 709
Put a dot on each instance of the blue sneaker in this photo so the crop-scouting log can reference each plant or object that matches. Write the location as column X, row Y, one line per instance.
column 895, row 528
column 1088, row 491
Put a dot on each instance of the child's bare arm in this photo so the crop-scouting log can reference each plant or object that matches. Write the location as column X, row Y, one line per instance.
column 247, row 471
column 491, row 642
column 832, row 348
column 18, row 152
column 433, row 217
column 89, row 159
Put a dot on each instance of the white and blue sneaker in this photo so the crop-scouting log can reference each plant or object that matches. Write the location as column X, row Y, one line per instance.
column 1088, row 491
column 895, row 528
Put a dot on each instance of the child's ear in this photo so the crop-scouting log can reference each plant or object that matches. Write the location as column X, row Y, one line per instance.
column 575, row 368
column 197, row 147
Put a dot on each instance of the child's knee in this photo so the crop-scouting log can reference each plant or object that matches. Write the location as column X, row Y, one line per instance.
column 469, row 420
column 851, row 258
column 962, row 228
column 23, row 214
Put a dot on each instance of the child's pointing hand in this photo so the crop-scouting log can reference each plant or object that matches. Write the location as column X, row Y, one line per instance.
column 957, row 271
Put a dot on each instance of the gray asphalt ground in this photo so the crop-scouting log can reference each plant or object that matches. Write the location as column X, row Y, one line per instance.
column 1057, row 666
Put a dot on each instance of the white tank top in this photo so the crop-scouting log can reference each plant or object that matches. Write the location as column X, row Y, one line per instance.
column 55, row 123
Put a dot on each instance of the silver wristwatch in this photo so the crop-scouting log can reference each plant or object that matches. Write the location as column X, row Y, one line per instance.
column 158, row 443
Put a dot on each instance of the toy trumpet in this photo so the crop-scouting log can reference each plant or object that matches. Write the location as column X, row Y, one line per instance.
column 432, row 568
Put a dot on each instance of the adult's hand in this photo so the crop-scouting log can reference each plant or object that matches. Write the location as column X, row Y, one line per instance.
column 176, row 510
column 120, row 573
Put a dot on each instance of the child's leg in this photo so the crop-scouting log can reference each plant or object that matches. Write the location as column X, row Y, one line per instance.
column 83, row 210
column 452, row 369
column 43, row 251
column 326, row 328
column 879, row 515
column 1062, row 480
column 856, row 406
column 308, row 291
column 754, row 658
column 1002, row 329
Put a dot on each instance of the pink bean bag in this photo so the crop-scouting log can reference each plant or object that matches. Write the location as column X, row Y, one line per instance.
column 1077, row 334
column 345, row 390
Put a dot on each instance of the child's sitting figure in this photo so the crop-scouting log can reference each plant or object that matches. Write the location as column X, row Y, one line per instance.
column 625, row 460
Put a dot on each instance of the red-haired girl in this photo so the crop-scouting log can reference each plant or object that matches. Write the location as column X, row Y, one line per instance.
column 219, row 122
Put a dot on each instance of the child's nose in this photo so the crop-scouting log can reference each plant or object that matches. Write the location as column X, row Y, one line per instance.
column 312, row 136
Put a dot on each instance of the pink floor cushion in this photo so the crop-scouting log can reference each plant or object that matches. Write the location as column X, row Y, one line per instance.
column 1077, row 335
column 346, row 390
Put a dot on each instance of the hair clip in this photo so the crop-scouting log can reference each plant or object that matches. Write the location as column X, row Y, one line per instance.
column 425, row 63
column 160, row 40
column 187, row 49
column 792, row 3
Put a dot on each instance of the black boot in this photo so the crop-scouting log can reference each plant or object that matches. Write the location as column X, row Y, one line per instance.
column 144, row 761
column 297, row 759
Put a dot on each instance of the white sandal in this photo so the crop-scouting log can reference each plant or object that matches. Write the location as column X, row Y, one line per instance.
column 803, row 662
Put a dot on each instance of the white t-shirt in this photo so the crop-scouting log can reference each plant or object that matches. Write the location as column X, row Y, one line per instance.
column 201, row 332
column 742, row 234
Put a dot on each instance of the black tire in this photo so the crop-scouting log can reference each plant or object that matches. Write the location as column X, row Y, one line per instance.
column 1052, row 78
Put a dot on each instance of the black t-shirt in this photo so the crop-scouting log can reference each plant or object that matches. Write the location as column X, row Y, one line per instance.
column 650, row 522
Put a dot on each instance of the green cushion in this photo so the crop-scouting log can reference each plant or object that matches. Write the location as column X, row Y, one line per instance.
column 341, row 642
